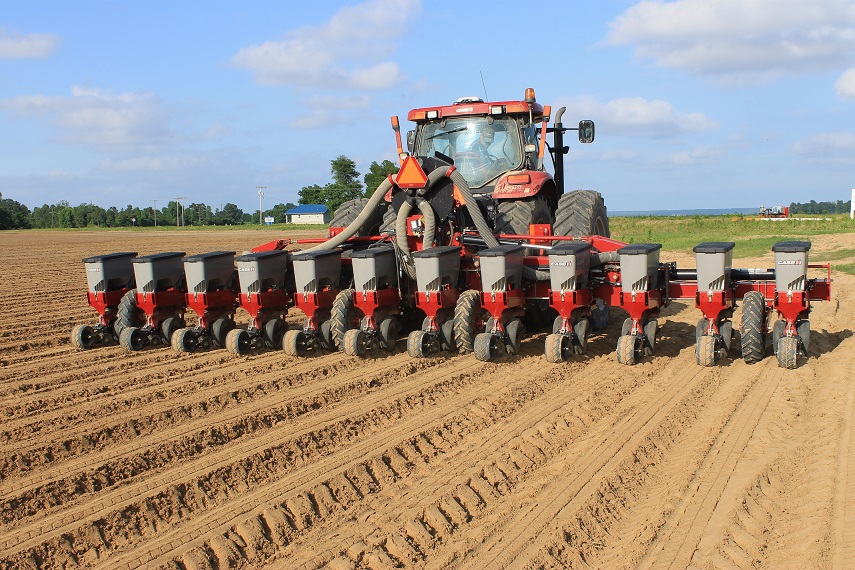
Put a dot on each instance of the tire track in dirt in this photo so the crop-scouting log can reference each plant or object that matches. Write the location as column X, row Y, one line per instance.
column 157, row 444
column 843, row 534
column 230, row 470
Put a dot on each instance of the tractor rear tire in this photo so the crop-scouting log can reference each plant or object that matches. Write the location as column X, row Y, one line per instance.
column 128, row 314
column 581, row 213
column 82, row 337
column 238, row 342
column 753, row 316
column 350, row 210
column 344, row 316
column 515, row 216
column 468, row 319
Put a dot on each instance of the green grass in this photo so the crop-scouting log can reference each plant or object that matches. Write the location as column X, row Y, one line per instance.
column 846, row 268
column 752, row 237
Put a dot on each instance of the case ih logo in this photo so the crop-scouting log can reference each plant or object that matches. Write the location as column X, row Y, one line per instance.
column 790, row 262
column 465, row 109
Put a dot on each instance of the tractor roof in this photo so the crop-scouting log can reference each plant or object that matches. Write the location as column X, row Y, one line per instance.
column 475, row 106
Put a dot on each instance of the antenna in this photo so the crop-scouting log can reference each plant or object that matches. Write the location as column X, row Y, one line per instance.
column 486, row 98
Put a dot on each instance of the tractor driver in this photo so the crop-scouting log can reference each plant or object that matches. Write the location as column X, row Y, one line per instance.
column 482, row 144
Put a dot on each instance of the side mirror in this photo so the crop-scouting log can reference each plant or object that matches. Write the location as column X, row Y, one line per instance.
column 411, row 140
column 586, row 131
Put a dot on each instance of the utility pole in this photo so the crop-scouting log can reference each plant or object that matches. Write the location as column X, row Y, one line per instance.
column 155, row 213
column 261, row 190
column 177, row 203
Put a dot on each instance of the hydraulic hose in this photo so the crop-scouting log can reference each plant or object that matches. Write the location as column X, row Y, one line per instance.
column 484, row 230
column 360, row 220
column 604, row 257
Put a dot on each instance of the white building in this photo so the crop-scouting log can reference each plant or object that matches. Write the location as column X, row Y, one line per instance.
column 308, row 214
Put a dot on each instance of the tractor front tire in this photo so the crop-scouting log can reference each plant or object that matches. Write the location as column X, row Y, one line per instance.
column 515, row 216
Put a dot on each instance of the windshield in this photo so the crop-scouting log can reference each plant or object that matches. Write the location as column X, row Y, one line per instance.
column 481, row 149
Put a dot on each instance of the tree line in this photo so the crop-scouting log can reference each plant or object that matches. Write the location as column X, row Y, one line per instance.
column 814, row 207
column 345, row 185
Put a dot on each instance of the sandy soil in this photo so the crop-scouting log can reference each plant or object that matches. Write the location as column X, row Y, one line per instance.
column 195, row 461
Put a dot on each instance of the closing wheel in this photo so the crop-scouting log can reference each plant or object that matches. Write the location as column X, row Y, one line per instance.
column 273, row 331
column 581, row 329
column 82, row 337
column 469, row 320
column 220, row 329
column 778, row 330
column 701, row 329
column 753, row 316
column 169, row 326
column 516, row 331
column 184, row 340
column 625, row 327
column 650, row 328
column 294, row 343
column 803, row 330
column 325, row 336
column 418, row 344
column 705, row 353
column 487, row 346
column 556, row 324
column 446, row 335
column 354, row 342
column 238, row 342
column 725, row 329
column 626, row 349
column 131, row 339
column 558, row 348
column 388, row 333
column 128, row 314
column 788, row 352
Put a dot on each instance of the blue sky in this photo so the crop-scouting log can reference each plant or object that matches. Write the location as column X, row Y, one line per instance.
column 698, row 103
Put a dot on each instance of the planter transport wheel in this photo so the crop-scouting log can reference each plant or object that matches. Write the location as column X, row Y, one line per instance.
column 626, row 349
column 418, row 344
column 446, row 335
column 725, row 329
column 131, row 339
column 238, row 342
column 184, row 340
column 558, row 348
column 128, row 314
column 343, row 318
column 705, row 351
column 788, row 352
column 82, row 337
column 468, row 316
column 625, row 327
column 487, row 346
column 778, row 330
column 294, row 343
column 388, row 333
column 700, row 330
column 354, row 343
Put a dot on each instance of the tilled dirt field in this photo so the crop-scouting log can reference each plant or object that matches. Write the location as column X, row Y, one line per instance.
column 153, row 459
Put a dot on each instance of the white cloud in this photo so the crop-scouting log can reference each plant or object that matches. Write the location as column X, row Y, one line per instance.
column 97, row 117
column 828, row 148
column 845, row 85
column 740, row 40
column 639, row 117
column 28, row 46
column 693, row 156
column 348, row 52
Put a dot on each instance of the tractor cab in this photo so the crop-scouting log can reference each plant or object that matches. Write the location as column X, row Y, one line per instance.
column 483, row 140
